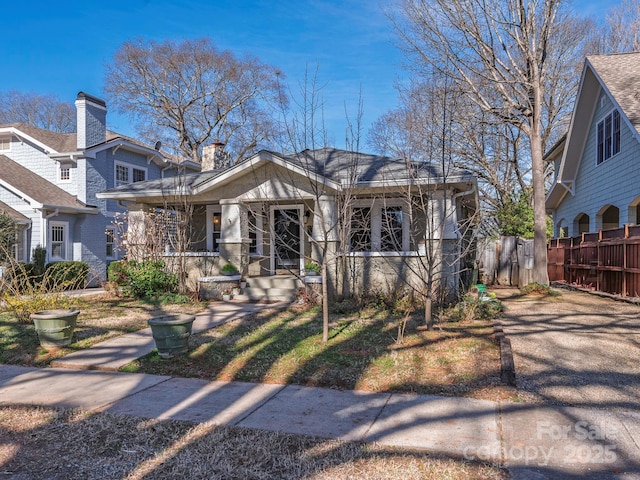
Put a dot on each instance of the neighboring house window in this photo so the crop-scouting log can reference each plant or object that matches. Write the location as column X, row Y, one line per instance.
column 608, row 133
column 65, row 174
column 58, row 240
column 5, row 144
column 110, row 247
column 126, row 174
column 360, row 237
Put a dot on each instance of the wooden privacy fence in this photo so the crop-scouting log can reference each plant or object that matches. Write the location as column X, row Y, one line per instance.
column 505, row 261
column 605, row 261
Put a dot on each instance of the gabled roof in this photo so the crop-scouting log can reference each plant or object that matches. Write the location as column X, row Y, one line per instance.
column 39, row 192
column 619, row 76
column 331, row 167
column 14, row 214
column 56, row 144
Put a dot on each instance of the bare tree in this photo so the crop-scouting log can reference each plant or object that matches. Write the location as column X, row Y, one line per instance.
column 621, row 32
column 43, row 111
column 190, row 93
column 430, row 123
column 513, row 59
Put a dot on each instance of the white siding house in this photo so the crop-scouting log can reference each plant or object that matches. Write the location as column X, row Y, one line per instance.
column 52, row 179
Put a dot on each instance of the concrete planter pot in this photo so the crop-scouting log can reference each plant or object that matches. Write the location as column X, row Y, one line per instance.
column 171, row 333
column 226, row 297
column 55, row 327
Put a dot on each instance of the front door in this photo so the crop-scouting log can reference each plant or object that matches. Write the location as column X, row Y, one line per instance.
column 286, row 251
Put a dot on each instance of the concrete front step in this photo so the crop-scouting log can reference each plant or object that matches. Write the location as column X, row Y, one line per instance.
column 276, row 281
column 255, row 294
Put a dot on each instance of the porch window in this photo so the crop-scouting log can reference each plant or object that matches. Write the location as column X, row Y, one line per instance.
column 391, row 229
column 360, row 235
column 380, row 226
column 215, row 231
column 608, row 137
column 58, row 240
column 255, row 232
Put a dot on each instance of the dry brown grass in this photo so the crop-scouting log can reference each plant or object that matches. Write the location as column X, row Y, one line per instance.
column 101, row 317
column 38, row 443
column 455, row 358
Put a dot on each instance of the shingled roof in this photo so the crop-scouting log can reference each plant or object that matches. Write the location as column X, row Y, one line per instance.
column 620, row 73
column 344, row 166
column 37, row 188
column 13, row 213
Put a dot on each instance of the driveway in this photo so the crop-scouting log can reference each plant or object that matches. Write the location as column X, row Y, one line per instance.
column 574, row 349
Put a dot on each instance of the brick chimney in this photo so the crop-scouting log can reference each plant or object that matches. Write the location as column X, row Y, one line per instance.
column 91, row 115
column 212, row 156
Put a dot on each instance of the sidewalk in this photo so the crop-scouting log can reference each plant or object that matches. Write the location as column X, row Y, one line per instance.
column 535, row 442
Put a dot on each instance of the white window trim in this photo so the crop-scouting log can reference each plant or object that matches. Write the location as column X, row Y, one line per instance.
column 376, row 206
column 67, row 246
column 130, row 167
column 60, row 179
column 110, row 232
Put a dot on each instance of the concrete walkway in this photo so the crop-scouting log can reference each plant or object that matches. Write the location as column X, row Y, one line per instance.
column 117, row 352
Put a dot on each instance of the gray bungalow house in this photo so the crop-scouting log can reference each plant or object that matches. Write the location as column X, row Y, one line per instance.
column 374, row 219
column 597, row 163
column 49, row 182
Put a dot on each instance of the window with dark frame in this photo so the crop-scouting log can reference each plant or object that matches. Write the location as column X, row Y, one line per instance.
column 110, row 243
column 391, row 229
column 360, row 232
column 608, row 137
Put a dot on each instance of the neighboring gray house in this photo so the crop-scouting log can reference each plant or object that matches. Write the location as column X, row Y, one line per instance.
column 597, row 163
column 271, row 213
column 49, row 181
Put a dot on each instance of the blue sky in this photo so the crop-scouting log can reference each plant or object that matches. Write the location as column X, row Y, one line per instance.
column 61, row 47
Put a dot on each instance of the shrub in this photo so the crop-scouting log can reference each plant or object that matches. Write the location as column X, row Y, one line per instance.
column 22, row 306
column 68, row 275
column 117, row 272
column 38, row 258
column 229, row 269
column 536, row 288
column 149, row 279
column 472, row 308
column 312, row 266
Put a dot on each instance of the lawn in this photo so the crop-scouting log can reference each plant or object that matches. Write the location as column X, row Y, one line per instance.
column 101, row 317
column 71, row 444
column 455, row 358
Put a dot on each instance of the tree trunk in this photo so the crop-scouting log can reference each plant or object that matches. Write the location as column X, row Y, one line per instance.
column 325, row 303
column 540, row 274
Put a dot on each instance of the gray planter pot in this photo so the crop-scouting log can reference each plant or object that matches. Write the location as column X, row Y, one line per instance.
column 55, row 327
column 171, row 333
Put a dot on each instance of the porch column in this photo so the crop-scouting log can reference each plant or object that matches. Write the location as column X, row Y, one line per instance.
column 136, row 243
column 325, row 219
column 234, row 234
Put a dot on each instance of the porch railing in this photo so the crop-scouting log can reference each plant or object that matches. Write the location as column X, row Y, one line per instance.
column 605, row 261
